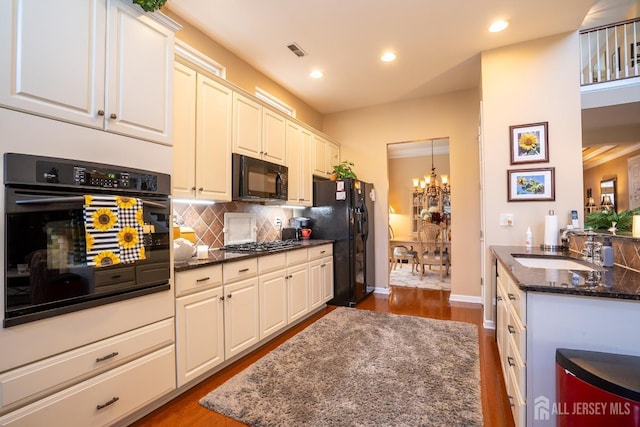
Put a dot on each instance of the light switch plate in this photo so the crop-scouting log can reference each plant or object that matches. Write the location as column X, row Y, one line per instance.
column 506, row 220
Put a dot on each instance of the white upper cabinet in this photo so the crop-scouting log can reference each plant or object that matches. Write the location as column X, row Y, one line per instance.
column 258, row 132
column 247, row 126
column 202, row 137
column 273, row 137
column 98, row 63
column 299, row 163
column 326, row 155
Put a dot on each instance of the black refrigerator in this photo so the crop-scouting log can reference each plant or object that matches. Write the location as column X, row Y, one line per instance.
column 343, row 212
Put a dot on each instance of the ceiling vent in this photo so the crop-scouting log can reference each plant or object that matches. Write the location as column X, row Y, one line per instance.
column 297, row 50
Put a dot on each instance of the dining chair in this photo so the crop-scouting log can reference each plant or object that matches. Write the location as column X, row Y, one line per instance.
column 432, row 250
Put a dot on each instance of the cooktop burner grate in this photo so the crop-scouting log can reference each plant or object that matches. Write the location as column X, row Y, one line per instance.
column 261, row 246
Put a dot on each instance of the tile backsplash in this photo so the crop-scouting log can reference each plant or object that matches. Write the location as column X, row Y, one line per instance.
column 208, row 220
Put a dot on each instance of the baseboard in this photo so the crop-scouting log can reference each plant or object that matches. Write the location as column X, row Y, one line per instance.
column 383, row 291
column 465, row 298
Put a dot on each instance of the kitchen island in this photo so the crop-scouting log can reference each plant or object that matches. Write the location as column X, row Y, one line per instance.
column 539, row 310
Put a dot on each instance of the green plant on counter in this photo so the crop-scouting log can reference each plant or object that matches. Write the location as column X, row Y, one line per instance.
column 604, row 220
column 343, row 170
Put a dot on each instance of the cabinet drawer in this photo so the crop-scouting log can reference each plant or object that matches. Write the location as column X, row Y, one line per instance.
column 320, row 251
column 30, row 382
column 517, row 366
column 517, row 331
column 103, row 399
column 238, row 270
column 518, row 301
column 297, row 256
column 198, row 279
column 517, row 403
column 273, row 262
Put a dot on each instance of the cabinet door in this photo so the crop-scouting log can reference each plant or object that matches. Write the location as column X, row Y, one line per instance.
column 247, row 126
column 273, row 137
column 316, row 290
column 294, row 161
column 241, row 321
column 54, row 58
column 199, row 333
column 332, row 155
column 184, row 131
column 327, row 283
column 273, row 303
column 305, row 186
column 319, row 156
column 140, row 75
column 298, row 291
column 213, row 140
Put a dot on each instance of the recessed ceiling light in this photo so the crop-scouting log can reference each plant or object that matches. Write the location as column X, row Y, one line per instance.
column 316, row 74
column 388, row 57
column 498, row 26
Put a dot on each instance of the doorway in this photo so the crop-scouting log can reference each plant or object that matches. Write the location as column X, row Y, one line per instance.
column 412, row 166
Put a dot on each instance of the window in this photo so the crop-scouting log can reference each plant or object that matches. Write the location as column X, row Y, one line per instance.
column 265, row 96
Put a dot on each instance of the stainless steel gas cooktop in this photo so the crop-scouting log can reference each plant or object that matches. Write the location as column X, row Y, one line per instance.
column 273, row 245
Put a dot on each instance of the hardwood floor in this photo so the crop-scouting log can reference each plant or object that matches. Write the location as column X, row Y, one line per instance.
column 185, row 410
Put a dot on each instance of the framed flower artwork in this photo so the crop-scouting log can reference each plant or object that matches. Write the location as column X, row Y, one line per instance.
column 529, row 143
column 531, row 185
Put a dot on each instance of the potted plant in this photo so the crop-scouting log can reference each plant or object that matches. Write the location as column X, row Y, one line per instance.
column 150, row 5
column 343, row 170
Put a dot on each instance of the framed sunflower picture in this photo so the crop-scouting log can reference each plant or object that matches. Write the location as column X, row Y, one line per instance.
column 526, row 185
column 529, row 143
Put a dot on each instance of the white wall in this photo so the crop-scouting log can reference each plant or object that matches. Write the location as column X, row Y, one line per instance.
column 535, row 81
column 364, row 135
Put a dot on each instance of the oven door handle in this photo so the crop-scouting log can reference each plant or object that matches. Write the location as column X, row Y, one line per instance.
column 74, row 199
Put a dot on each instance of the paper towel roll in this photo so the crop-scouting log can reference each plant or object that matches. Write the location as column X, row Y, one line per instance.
column 551, row 230
column 635, row 226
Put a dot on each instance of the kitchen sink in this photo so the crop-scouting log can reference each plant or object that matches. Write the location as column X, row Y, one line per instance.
column 552, row 263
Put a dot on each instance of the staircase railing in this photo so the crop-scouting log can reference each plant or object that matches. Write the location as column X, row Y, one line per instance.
column 610, row 52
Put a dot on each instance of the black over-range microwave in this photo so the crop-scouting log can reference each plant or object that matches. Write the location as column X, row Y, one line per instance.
column 258, row 180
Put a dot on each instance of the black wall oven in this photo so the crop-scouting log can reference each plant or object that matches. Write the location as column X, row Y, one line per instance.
column 80, row 234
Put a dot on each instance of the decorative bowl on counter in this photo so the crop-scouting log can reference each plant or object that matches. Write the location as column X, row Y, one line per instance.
column 183, row 249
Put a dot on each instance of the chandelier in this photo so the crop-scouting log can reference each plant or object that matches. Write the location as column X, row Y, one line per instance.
column 432, row 186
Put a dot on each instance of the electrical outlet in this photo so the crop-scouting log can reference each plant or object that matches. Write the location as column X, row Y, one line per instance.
column 278, row 221
column 506, row 220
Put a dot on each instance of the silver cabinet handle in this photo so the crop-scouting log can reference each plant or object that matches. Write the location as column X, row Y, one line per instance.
column 110, row 402
column 107, row 357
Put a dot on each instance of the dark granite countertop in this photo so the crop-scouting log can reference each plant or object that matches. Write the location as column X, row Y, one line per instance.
column 604, row 282
column 217, row 256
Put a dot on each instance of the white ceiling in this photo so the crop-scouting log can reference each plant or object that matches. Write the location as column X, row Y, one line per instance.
column 438, row 43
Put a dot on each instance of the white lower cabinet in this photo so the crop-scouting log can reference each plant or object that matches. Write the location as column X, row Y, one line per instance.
column 225, row 309
column 199, row 333
column 103, row 399
column 241, row 321
column 511, row 339
column 320, row 275
column 273, row 302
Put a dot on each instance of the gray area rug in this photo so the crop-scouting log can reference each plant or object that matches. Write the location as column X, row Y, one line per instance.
column 361, row 368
